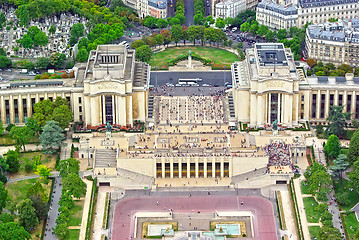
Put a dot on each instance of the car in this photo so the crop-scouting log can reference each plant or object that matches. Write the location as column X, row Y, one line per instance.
column 32, row 73
column 1, row 70
column 205, row 85
column 215, row 85
column 1, row 78
column 178, row 85
column 8, row 70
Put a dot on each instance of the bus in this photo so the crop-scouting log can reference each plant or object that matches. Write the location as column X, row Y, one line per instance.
column 189, row 82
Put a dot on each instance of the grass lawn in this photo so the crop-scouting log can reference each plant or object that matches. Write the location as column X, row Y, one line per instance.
column 6, row 140
column 218, row 56
column 314, row 231
column 304, row 187
column 310, row 204
column 73, row 234
column 76, row 213
column 350, row 221
column 17, row 190
column 353, row 195
column 26, row 158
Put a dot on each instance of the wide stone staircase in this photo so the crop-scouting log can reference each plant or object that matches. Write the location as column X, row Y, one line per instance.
column 105, row 158
column 134, row 176
column 258, row 173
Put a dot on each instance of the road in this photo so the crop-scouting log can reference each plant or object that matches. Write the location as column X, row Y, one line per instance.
column 208, row 8
column 211, row 77
column 14, row 75
column 171, row 8
column 188, row 12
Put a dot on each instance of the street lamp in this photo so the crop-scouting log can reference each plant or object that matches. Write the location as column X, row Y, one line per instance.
column 88, row 151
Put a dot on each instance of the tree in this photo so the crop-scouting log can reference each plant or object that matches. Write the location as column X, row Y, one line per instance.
column 339, row 166
column 70, row 165
column 137, row 43
column 51, row 136
column 353, row 153
column 282, row 34
column 43, row 171
column 177, row 33
column 26, row 41
column 253, row 29
column 210, row 20
column 37, row 190
column 262, row 30
column 1, row 129
column 57, row 60
column 42, row 63
column 22, row 136
column 13, row 231
column 228, row 21
column 62, row 229
column 74, row 184
column 12, row 160
column 27, row 215
column 311, row 62
column 270, row 36
column 342, row 198
column 199, row 19
column 332, row 147
column 161, row 23
column 150, row 22
column 40, row 206
column 173, row 21
column 3, row 196
column 82, row 55
column 337, row 121
column 5, row 62
column 63, row 115
column 159, row 39
column 144, row 53
column 220, row 23
column 43, row 111
column 245, row 27
column 66, row 200
column 52, row 29
column 5, row 218
column 346, row 68
column 77, row 30
column 354, row 176
column 32, row 125
column 40, row 39
column 23, row 14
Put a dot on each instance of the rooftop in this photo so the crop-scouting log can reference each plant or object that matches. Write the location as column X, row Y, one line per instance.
column 273, row 6
column 319, row 3
column 271, row 54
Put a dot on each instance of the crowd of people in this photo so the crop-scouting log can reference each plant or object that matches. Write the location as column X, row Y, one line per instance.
column 279, row 154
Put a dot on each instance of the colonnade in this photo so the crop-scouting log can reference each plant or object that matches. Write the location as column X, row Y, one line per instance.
column 193, row 167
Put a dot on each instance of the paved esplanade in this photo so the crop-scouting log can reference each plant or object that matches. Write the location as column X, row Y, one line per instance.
column 125, row 211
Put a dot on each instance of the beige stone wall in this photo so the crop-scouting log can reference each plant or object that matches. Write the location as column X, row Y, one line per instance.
column 246, row 164
column 143, row 166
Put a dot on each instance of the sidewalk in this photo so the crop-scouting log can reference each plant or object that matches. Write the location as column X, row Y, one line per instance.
column 100, row 209
column 302, row 214
column 86, row 208
column 291, row 230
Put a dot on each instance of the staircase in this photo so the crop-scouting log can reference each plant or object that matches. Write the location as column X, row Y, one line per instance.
column 105, row 158
column 134, row 176
column 249, row 175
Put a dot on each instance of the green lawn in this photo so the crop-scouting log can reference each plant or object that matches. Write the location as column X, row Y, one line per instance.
column 17, row 190
column 314, row 231
column 6, row 140
column 73, row 234
column 220, row 57
column 350, row 221
column 304, row 187
column 310, row 204
column 76, row 213
column 353, row 195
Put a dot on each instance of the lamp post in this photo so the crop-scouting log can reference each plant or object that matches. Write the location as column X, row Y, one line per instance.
column 88, row 151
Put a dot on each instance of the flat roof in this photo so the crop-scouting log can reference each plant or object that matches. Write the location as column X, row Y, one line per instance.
column 271, row 54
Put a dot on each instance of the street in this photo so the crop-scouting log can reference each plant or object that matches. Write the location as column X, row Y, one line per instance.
column 188, row 12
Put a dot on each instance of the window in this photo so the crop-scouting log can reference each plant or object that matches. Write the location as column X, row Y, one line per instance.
column 80, row 100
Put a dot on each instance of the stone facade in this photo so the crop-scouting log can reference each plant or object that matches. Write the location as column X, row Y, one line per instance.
column 112, row 87
column 229, row 8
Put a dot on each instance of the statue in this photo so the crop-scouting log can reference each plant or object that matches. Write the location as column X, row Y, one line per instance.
column 189, row 65
column 108, row 130
column 275, row 127
column 189, row 53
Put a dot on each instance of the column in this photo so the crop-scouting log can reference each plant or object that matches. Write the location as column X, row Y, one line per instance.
column 327, row 104
column 20, row 109
column 121, row 107
column 269, row 108
column 37, row 98
column 230, row 167
column 260, row 110
column 113, row 110
column 116, row 107
column 307, row 105
column 129, row 115
column 222, row 167
column 87, row 112
column 205, row 167
column 282, row 107
column 345, row 101
column 45, row 98
column 213, row 167
column 29, row 107
column 296, row 105
column 336, row 98
column 196, row 167
column 253, row 113
column 103, row 110
column 163, row 167
column 319, row 97
column 94, row 110
column 171, row 167
column 188, row 167
column 180, row 167
column 278, row 108
column 12, row 111
column 352, row 108
column 3, row 111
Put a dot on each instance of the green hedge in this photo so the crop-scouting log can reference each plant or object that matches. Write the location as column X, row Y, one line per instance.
column 296, row 210
column 183, row 57
column 90, row 218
